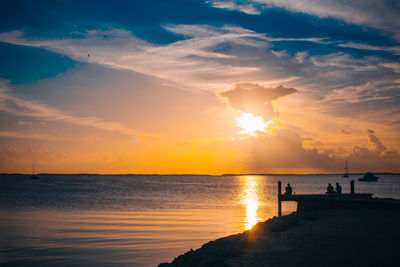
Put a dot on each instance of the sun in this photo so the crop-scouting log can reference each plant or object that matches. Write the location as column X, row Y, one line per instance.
column 252, row 125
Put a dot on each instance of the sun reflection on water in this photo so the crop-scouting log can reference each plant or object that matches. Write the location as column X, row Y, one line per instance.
column 250, row 198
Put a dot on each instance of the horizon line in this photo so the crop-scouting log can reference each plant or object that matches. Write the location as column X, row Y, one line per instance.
column 193, row 174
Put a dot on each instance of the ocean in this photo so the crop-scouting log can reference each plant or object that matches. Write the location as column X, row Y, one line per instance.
column 128, row 220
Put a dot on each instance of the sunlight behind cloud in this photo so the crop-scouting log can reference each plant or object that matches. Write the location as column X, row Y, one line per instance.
column 252, row 125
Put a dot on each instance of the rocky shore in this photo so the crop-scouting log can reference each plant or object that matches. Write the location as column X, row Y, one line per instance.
column 336, row 237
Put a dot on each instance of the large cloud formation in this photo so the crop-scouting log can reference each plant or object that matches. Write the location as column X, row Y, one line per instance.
column 285, row 150
column 379, row 157
column 256, row 99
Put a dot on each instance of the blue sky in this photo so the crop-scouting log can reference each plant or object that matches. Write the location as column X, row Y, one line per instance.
column 147, row 20
column 135, row 75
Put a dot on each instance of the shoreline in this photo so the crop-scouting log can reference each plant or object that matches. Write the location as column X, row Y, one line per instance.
column 354, row 236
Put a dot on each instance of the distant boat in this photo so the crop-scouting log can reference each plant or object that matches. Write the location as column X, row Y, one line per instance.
column 346, row 175
column 34, row 176
column 369, row 177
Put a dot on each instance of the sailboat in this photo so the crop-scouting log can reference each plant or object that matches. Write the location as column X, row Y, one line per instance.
column 346, row 175
column 34, row 176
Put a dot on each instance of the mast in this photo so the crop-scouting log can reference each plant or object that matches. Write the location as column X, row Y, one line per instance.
column 347, row 170
column 33, row 171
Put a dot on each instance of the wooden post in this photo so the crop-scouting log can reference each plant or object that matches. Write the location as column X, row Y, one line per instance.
column 352, row 187
column 279, row 198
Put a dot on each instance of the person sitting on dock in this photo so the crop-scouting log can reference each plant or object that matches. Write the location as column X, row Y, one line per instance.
column 288, row 190
column 338, row 189
column 329, row 189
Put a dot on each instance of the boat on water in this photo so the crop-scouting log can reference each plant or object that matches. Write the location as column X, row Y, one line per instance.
column 34, row 176
column 369, row 177
column 346, row 175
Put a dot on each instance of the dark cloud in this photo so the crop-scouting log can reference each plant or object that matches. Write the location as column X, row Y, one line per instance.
column 378, row 158
column 362, row 159
column 256, row 99
column 375, row 142
column 343, row 131
column 285, row 150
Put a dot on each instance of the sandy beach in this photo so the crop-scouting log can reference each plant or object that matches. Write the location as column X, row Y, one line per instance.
column 336, row 237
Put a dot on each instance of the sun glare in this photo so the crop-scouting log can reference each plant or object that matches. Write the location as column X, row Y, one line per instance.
column 252, row 125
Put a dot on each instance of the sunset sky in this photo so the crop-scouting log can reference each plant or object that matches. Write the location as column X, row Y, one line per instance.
column 203, row 87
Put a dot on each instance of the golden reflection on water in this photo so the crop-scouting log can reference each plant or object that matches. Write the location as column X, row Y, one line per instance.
column 250, row 198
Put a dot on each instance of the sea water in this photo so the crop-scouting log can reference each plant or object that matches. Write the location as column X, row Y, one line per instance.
column 106, row 220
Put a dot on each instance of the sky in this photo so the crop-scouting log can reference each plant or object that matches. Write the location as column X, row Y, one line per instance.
column 199, row 86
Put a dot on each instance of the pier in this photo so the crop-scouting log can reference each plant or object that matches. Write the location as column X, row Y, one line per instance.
column 321, row 201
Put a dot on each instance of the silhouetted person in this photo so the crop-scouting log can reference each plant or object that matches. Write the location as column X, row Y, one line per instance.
column 288, row 190
column 338, row 188
column 329, row 189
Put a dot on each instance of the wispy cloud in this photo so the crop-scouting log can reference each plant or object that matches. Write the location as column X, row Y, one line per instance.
column 381, row 15
column 392, row 49
column 192, row 62
column 369, row 91
column 210, row 58
column 392, row 65
column 247, row 8
column 30, row 108
column 309, row 39
column 24, row 135
column 344, row 62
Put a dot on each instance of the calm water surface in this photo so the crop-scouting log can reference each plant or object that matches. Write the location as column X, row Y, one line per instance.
column 140, row 220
